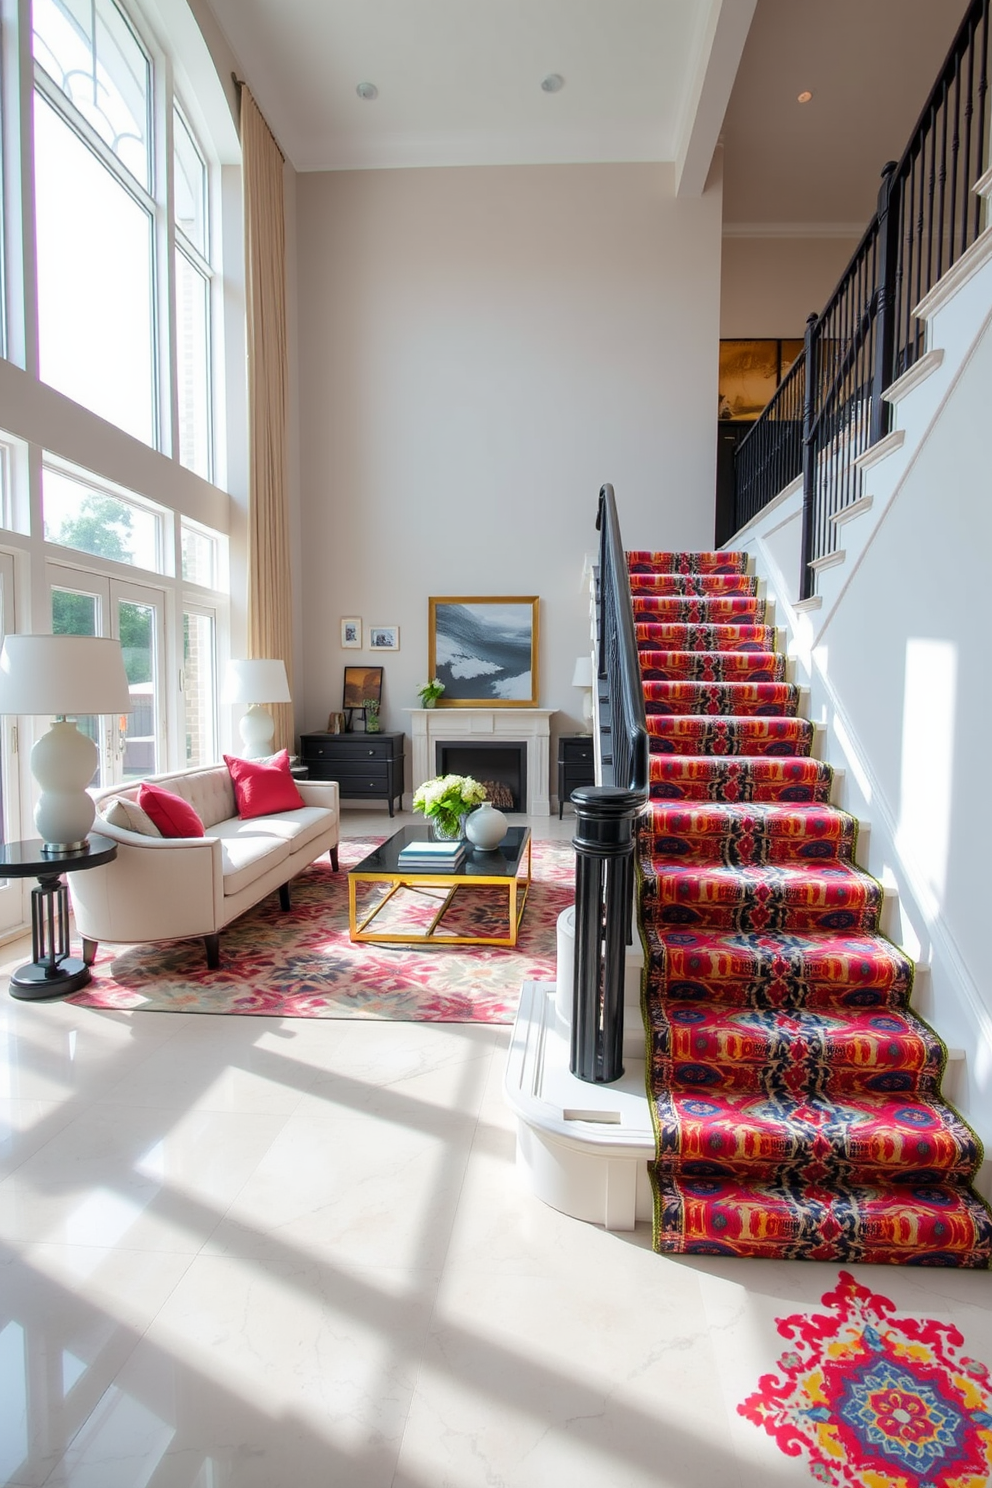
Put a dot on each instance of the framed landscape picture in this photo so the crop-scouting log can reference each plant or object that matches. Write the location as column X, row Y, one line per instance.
column 484, row 650
column 384, row 637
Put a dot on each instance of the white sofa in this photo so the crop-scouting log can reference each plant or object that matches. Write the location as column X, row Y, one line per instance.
column 168, row 888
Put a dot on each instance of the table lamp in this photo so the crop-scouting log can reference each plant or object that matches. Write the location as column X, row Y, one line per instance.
column 57, row 675
column 256, row 682
column 582, row 677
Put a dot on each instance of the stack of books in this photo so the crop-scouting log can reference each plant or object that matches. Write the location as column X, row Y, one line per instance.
column 442, row 857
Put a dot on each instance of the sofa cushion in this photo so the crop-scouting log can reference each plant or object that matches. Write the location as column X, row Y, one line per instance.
column 173, row 816
column 209, row 790
column 122, row 811
column 247, row 854
column 296, row 828
column 262, row 787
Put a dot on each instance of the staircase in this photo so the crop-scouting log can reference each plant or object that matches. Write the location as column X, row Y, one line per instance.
column 795, row 1097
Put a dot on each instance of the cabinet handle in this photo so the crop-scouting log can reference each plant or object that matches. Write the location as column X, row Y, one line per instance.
column 371, row 753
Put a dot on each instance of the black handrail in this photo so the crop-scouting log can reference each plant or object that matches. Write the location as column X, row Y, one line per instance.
column 604, row 820
column 868, row 334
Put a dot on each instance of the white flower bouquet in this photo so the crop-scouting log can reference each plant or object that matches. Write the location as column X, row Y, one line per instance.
column 446, row 799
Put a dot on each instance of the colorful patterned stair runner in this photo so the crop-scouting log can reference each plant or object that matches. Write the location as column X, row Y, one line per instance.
column 796, row 1098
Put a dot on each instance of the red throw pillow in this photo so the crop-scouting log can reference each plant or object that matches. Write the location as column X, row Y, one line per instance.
column 173, row 816
column 263, row 787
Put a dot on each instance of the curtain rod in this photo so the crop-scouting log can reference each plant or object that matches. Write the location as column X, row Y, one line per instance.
column 240, row 83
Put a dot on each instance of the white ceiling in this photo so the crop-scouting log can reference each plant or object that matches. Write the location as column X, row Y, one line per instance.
column 460, row 80
column 645, row 80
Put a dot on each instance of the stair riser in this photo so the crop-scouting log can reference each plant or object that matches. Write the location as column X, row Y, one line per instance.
column 797, row 1070
column 686, row 698
column 729, row 736
column 694, row 585
column 881, row 1228
column 835, row 1153
column 700, row 609
column 741, row 667
column 653, row 636
column 642, row 561
column 729, row 780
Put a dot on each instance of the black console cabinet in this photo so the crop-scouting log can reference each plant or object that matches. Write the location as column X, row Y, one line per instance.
column 366, row 766
column 576, row 765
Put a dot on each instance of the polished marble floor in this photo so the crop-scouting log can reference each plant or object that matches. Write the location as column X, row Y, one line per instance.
column 254, row 1253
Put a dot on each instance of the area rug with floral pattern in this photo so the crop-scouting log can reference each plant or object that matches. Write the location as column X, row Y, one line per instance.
column 302, row 964
column 868, row 1397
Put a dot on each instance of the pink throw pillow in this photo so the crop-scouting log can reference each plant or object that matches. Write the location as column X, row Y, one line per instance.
column 263, row 787
column 173, row 816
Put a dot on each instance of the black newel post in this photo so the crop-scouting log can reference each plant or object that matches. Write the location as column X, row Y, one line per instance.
column 885, row 313
column 604, row 883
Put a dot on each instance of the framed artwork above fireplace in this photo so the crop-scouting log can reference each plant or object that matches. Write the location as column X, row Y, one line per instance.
column 484, row 650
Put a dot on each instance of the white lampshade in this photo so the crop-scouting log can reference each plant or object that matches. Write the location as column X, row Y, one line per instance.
column 257, row 681
column 61, row 674
column 582, row 676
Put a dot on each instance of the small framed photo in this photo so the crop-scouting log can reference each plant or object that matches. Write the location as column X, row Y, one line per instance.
column 384, row 637
column 351, row 633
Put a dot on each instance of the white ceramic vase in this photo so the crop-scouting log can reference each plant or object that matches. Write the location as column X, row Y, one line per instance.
column 485, row 827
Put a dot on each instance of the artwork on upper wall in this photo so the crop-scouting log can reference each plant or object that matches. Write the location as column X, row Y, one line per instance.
column 384, row 637
column 750, row 374
column 484, row 650
column 351, row 633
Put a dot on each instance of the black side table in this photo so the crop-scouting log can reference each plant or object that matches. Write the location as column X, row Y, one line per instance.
column 53, row 972
column 576, row 765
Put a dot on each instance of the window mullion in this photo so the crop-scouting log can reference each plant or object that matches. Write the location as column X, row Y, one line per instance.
column 167, row 354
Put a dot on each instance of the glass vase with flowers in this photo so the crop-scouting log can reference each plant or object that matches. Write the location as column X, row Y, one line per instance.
column 446, row 801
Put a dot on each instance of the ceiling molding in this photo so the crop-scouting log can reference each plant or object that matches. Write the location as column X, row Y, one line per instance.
column 716, row 63
column 852, row 230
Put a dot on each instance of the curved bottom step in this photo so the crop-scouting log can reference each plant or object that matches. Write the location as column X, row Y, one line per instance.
column 581, row 1148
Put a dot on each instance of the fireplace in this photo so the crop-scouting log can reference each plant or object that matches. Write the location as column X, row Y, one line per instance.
column 501, row 768
column 525, row 730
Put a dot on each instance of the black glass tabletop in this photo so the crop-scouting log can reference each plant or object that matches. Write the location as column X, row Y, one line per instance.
column 502, row 862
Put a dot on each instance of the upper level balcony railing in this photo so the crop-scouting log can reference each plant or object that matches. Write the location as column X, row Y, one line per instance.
column 831, row 408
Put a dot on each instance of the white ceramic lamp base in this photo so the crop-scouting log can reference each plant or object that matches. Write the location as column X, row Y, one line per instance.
column 257, row 729
column 63, row 762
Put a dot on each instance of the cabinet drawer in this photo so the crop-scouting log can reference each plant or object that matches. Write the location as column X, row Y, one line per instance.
column 575, row 751
column 374, row 769
column 362, row 785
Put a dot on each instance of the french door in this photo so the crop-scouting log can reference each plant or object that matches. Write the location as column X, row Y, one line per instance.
column 133, row 744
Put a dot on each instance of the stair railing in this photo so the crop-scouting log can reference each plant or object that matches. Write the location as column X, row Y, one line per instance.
column 604, row 821
column 868, row 333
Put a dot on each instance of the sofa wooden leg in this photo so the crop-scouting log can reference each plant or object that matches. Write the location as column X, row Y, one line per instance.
column 284, row 896
column 334, row 859
column 89, row 951
column 212, row 946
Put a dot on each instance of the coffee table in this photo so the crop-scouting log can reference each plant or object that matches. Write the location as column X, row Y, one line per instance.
column 508, row 865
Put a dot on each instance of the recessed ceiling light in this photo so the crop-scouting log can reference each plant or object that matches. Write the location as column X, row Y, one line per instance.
column 553, row 83
column 804, row 97
column 368, row 91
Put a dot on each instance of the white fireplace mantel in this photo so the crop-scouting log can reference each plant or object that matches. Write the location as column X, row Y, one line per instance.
column 531, row 726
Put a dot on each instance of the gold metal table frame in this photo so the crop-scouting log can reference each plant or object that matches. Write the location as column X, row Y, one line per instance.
column 517, row 886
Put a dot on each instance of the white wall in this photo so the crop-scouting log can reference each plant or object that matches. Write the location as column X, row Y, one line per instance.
column 770, row 285
column 479, row 350
column 896, row 661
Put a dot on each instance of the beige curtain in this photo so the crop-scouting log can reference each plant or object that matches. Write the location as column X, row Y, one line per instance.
column 270, row 617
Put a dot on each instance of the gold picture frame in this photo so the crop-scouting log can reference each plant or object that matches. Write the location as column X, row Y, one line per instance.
column 485, row 650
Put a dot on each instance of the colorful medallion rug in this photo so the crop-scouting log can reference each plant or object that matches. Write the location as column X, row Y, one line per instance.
column 872, row 1400
column 795, row 1095
column 301, row 964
